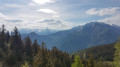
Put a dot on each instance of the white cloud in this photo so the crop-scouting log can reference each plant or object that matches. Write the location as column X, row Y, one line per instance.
column 49, row 11
column 103, row 11
column 24, row 15
column 1, row 16
column 42, row 2
column 112, row 20
column 113, row 12
column 54, row 24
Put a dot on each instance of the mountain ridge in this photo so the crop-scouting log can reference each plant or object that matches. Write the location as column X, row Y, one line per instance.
column 81, row 37
column 38, row 31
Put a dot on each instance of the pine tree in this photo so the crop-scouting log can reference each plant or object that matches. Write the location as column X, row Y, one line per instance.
column 91, row 62
column 41, row 60
column 7, row 37
column 77, row 62
column 16, row 44
column 28, row 49
column 35, row 47
column 3, row 37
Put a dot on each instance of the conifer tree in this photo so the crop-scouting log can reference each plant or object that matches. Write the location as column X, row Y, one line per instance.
column 3, row 37
column 41, row 60
column 28, row 49
column 77, row 62
column 91, row 62
column 35, row 47
column 16, row 44
column 7, row 37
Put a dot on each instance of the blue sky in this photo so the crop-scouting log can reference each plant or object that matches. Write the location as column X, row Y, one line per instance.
column 57, row 14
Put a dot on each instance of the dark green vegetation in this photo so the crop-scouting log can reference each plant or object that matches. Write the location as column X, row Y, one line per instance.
column 104, row 52
column 81, row 37
column 14, row 52
column 100, row 56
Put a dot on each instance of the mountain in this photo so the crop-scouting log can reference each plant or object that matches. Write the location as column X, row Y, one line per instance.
column 81, row 37
column 38, row 31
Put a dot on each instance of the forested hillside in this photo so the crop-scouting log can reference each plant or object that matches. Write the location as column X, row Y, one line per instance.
column 104, row 52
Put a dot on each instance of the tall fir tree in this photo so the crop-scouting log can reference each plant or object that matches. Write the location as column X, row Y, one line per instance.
column 28, row 48
column 16, row 44
column 41, row 60
column 35, row 47
column 7, row 37
column 3, row 37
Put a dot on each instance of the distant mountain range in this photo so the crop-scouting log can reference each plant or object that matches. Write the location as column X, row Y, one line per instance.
column 81, row 37
column 38, row 31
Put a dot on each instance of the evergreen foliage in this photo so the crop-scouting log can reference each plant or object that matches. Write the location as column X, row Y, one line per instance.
column 35, row 47
column 28, row 49
column 90, row 62
column 26, row 64
column 53, row 58
column 14, row 50
column 77, row 62
column 117, row 54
